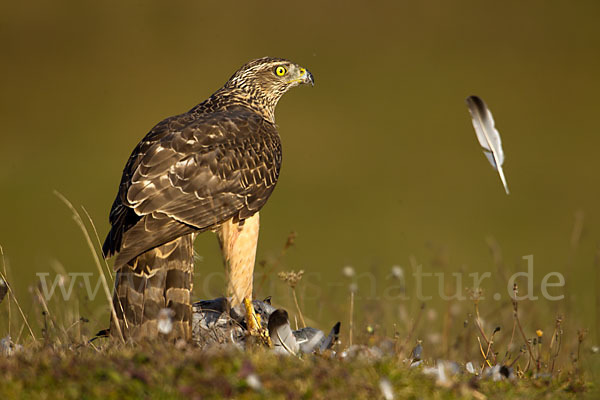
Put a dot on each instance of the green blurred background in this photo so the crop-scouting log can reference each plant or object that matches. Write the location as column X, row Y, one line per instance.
column 381, row 162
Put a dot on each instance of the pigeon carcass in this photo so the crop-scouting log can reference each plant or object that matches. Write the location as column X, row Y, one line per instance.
column 216, row 322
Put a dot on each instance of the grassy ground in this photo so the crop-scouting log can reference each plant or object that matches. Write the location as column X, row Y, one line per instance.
column 163, row 371
column 46, row 353
column 51, row 357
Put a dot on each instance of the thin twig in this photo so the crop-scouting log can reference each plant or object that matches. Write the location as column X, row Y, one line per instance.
column 556, row 337
column 478, row 323
column 46, row 314
column 483, row 354
column 515, row 360
column 298, row 307
column 516, row 316
column 490, row 343
column 412, row 330
column 510, row 343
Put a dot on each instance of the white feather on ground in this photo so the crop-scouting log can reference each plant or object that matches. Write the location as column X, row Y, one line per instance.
column 282, row 337
column 488, row 136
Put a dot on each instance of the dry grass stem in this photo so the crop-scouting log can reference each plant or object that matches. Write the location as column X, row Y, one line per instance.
column 291, row 239
column 109, row 271
column 292, row 278
column 516, row 317
column 81, row 225
column 411, row 332
column 7, row 294
column 14, row 298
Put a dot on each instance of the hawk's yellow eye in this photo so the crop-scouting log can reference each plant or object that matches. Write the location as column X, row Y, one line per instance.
column 280, row 71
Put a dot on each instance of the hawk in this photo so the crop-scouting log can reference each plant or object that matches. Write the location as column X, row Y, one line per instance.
column 210, row 169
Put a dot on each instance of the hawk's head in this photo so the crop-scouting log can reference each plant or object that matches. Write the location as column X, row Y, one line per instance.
column 267, row 79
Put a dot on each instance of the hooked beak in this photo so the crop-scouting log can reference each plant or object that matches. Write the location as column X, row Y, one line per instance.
column 306, row 77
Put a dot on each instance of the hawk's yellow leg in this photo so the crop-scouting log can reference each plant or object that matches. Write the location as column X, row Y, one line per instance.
column 238, row 244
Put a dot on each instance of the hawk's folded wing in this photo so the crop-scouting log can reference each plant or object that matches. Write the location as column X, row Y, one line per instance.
column 192, row 174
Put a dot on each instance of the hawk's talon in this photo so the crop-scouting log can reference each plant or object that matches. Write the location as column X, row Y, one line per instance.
column 254, row 325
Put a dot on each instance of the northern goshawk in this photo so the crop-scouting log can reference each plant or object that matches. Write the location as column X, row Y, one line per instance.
column 210, row 169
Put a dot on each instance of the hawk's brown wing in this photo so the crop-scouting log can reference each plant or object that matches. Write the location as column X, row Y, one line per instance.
column 192, row 174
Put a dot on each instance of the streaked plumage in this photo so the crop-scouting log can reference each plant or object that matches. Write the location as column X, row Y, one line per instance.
column 488, row 136
column 212, row 167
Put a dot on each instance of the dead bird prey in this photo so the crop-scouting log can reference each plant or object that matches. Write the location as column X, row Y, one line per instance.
column 210, row 169
column 216, row 322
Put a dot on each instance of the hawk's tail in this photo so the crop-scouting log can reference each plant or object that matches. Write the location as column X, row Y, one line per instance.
column 160, row 278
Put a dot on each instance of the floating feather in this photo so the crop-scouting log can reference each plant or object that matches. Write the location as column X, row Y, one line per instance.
column 488, row 136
